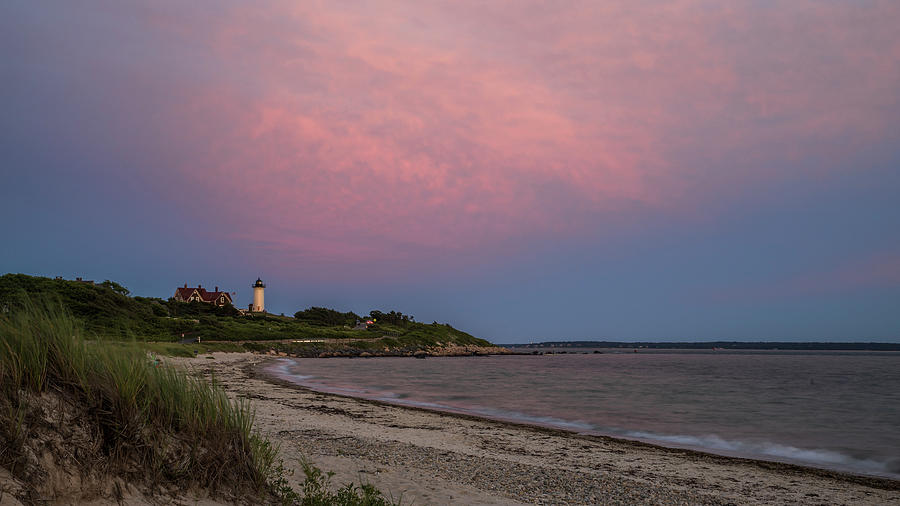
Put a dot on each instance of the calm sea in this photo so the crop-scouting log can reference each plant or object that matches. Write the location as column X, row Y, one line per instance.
column 836, row 410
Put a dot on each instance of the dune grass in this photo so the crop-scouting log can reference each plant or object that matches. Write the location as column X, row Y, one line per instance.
column 152, row 424
column 156, row 423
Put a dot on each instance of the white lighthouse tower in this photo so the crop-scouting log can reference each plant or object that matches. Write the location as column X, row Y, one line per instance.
column 259, row 305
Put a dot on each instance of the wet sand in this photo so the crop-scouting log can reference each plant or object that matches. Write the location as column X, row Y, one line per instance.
column 427, row 457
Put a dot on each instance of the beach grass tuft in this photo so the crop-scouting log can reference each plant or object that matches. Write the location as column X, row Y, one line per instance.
column 154, row 424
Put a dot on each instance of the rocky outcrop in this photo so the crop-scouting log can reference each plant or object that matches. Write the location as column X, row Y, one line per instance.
column 279, row 349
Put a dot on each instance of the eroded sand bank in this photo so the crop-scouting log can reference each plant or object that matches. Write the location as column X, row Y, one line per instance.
column 434, row 458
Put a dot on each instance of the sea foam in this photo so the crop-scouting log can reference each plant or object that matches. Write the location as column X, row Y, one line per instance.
column 825, row 458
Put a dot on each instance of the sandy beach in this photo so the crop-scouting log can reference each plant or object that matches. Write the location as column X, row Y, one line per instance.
column 426, row 457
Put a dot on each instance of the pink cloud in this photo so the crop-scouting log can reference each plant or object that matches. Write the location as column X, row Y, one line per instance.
column 455, row 125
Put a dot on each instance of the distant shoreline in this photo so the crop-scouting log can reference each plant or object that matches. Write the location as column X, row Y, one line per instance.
column 715, row 345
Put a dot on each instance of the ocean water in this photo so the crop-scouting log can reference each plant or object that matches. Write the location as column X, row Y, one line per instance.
column 835, row 410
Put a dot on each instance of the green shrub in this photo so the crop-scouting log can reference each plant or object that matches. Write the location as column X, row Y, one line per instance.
column 324, row 317
column 316, row 491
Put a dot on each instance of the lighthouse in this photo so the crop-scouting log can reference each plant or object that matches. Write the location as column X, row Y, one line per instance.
column 259, row 305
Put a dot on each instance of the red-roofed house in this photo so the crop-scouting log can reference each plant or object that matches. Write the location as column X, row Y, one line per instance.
column 200, row 294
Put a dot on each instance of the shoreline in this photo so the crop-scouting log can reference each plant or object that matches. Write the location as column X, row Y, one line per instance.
column 436, row 457
column 260, row 370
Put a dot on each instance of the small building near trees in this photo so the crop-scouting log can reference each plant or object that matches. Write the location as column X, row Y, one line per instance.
column 200, row 294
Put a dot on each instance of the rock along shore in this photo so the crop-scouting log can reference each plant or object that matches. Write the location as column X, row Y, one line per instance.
column 348, row 350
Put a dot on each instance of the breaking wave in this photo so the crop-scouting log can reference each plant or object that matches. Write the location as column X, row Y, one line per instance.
column 829, row 459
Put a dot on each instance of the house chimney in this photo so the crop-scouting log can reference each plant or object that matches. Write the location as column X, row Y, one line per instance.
column 185, row 285
column 77, row 279
column 199, row 286
column 217, row 289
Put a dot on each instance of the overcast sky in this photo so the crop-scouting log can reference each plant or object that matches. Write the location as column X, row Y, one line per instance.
column 625, row 170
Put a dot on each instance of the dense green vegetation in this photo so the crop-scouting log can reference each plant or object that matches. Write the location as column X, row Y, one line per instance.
column 108, row 312
column 324, row 317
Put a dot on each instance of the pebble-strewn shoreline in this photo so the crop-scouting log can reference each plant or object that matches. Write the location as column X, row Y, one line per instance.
column 521, row 482
column 433, row 458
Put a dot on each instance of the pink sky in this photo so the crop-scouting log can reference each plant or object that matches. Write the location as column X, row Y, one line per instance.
column 727, row 166
column 452, row 125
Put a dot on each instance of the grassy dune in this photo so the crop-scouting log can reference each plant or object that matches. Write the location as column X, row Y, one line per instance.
column 108, row 412
column 153, row 424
